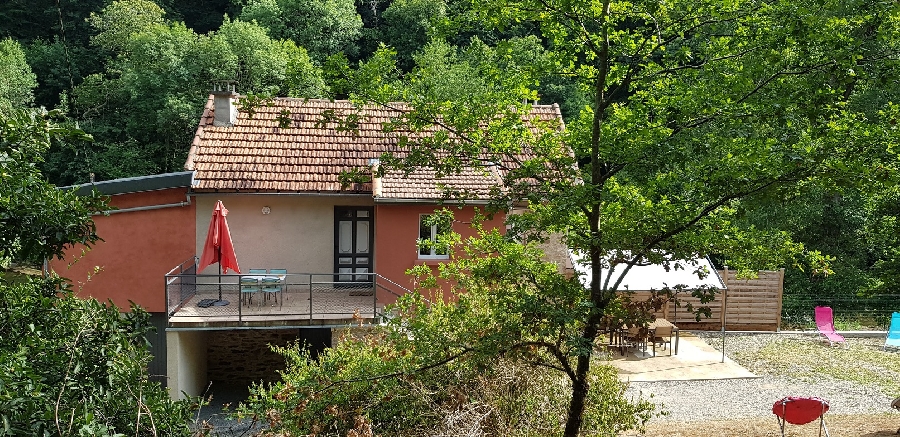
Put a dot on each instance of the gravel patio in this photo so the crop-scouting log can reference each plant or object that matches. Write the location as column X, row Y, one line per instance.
column 858, row 381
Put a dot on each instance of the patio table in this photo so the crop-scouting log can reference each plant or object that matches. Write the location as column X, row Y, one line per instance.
column 617, row 336
column 260, row 279
column 662, row 323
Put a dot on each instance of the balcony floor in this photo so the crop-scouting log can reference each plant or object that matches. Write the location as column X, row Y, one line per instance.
column 321, row 307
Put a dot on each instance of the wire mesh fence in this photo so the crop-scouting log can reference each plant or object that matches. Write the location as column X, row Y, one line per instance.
column 850, row 312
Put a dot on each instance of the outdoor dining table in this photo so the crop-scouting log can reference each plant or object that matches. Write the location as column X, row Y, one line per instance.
column 617, row 336
column 662, row 323
column 260, row 279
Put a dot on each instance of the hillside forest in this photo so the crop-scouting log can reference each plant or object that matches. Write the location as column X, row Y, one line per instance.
column 135, row 74
column 759, row 132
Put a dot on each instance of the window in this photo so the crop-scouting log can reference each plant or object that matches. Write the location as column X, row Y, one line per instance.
column 429, row 230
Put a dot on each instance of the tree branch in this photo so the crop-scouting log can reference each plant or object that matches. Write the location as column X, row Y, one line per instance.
column 396, row 374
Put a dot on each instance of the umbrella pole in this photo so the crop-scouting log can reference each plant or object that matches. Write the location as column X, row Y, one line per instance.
column 220, row 302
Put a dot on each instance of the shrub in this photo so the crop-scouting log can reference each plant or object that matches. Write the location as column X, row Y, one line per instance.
column 364, row 385
column 71, row 366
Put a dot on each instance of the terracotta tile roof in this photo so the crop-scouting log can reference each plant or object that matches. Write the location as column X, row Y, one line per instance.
column 471, row 183
column 256, row 155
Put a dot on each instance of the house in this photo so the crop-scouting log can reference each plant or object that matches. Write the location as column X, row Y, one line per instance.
column 345, row 249
column 150, row 225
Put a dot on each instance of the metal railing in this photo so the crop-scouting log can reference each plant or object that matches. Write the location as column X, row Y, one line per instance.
column 293, row 297
column 181, row 284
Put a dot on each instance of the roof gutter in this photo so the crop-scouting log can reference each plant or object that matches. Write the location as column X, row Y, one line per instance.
column 259, row 193
column 385, row 200
column 150, row 207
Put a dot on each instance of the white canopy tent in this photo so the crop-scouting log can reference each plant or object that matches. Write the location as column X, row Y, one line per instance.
column 656, row 276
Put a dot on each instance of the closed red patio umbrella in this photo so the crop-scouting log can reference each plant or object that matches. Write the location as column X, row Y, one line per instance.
column 218, row 247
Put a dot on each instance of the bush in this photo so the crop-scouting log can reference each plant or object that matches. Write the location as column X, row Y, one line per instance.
column 71, row 366
column 363, row 386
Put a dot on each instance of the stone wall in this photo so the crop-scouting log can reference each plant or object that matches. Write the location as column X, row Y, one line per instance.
column 243, row 356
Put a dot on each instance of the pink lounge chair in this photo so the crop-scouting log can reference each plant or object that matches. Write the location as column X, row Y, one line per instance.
column 825, row 323
column 800, row 410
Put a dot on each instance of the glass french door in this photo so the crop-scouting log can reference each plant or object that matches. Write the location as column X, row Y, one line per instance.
column 353, row 243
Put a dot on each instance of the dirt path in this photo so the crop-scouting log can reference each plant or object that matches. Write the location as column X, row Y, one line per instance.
column 876, row 425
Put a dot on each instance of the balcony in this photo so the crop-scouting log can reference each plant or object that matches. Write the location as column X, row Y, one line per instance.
column 303, row 299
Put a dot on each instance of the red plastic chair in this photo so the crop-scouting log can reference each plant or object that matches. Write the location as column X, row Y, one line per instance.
column 800, row 410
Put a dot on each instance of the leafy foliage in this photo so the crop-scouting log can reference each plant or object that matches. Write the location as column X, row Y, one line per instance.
column 16, row 79
column 67, row 366
column 383, row 381
column 408, row 25
column 70, row 366
column 323, row 27
column 699, row 113
column 121, row 19
column 37, row 221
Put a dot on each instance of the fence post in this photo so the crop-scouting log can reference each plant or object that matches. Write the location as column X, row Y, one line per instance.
column 780, row 299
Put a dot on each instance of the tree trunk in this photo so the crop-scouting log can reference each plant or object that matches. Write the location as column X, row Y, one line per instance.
column 580, row 385
column 576, row 404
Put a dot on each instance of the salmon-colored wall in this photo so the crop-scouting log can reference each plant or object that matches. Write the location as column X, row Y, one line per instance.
column 139, row 247
column 396, row 232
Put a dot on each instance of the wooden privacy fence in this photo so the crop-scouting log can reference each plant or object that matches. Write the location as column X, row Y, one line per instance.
column 750, row 304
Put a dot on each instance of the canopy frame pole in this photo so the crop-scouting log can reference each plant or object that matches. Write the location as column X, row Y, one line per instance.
column 724, row 306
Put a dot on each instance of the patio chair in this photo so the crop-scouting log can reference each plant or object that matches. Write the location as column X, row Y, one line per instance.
column 273, row 284
column 799, row 410
column 249, row 286
column 893, row 335
column 662, row 336
column 616, row 337
column 896, row 405
column 825, row 323
column 637, row 337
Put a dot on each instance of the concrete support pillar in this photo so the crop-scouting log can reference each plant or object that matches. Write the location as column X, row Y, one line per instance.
column 186, row 353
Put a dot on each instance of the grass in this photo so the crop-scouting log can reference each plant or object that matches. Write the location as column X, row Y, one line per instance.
column 808, row 360
column 859, row 425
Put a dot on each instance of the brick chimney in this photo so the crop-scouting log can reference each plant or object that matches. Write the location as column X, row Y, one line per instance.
column 223, row 100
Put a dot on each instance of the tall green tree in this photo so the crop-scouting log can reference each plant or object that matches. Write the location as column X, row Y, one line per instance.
column 143, row 108
column 17, row 82
column 55, row 35
column 37, row 221
column 407, row 26
column 885, row 237
column 67, row 366
column 853, row 229
column 323, row 27
column 699, row 111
